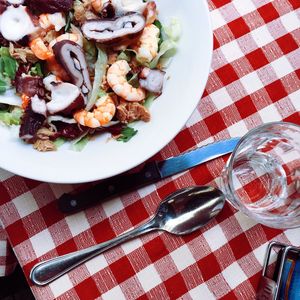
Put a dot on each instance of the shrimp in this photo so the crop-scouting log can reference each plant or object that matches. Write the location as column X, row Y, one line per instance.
column 116, row 78
column 52, row 21
column 150, row 12
column 55, row 68
column 100, row 116
column 147, row 48
column 97, row 5
column 43, row 52
column 74, row 37
column 40, row 50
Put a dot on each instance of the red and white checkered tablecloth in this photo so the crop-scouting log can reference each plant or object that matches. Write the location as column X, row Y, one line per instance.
column 8, row 261
column 255, row 79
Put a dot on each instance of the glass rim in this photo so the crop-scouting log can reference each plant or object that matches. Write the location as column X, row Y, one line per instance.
column 229, row 164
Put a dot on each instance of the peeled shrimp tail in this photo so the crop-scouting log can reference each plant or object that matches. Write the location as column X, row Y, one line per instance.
column 100, row 116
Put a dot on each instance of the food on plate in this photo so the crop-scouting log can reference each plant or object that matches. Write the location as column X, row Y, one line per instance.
column 72, row 69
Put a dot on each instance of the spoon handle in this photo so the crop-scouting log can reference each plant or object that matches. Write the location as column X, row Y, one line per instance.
column 47, row 271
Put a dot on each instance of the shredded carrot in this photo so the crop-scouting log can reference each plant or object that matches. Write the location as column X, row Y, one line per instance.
column 25, row 101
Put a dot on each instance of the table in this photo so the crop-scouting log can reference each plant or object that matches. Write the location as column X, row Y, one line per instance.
column 255, row 78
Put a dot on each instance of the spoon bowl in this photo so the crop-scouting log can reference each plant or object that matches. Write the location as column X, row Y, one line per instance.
column 188, row 209
column 180, row 213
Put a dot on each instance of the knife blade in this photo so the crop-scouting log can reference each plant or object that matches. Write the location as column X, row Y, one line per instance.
column 150, row 173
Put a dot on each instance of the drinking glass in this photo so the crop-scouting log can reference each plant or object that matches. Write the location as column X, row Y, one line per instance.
column 262, row 176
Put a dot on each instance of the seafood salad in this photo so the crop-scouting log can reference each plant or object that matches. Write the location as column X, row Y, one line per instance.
column 73, row 69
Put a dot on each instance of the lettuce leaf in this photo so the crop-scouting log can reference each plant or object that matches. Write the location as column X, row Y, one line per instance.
column 70, row 17
column 80, row 144
column 100, row 69
column 158, row 24
column 59, row 142
column 168, row 49
column 8, row 69
column 4, row 51
column 4, row 85
column 149, row 100
column 173, row 30
column 8, row 65
column 124, row 55
column 169, row 36
column 12, row 117
column 90, row 52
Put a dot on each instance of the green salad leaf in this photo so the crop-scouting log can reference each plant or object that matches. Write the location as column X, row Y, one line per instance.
column 158, row 24
column 127, row 134
column 4, row 84
column 169, row 36
column 59, row 142
column 101, row 94
column 168, row 49
column 70, row 17
column 100, row 69
column 149, row 100
column 134, row 80
column 127, row 55
column 8, row 69
column 8, row 65
column 4, row 51
column 124, row 55
column 12, row 117
column 90, row 53
column 81, row 143
column 173, row 30
column 36, row 70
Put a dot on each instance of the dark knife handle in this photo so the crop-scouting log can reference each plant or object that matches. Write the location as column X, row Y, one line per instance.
column 108, row 188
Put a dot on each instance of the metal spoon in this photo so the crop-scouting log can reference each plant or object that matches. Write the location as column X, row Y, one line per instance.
column 180, row 213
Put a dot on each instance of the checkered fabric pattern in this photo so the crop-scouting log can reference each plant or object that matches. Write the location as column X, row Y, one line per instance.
column 255, row 78
column 7, row 259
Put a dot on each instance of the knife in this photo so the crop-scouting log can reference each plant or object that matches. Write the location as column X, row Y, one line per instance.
column 150, row 173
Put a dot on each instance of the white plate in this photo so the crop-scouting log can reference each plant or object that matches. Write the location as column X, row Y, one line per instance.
column 101, row 159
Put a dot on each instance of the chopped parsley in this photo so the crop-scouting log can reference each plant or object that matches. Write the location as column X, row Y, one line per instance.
column 127, row 134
